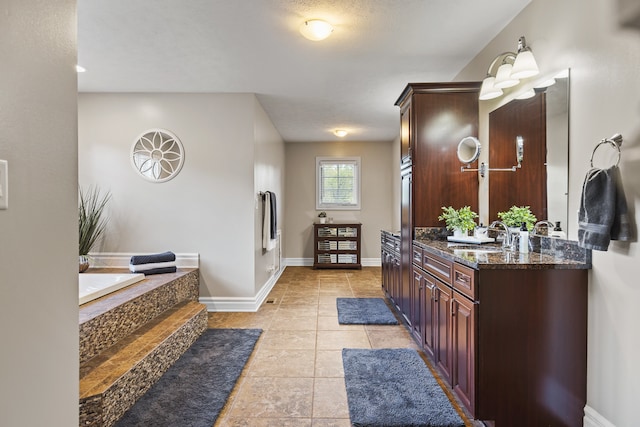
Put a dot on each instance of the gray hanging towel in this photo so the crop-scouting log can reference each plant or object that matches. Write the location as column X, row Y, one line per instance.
column 602, row 205
column 273, row 213
column 621, row 227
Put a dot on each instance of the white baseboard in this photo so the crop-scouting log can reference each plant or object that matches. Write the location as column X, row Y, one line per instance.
column 308, row 262
column 121, row 259
column 241, row 304
column 593, row 419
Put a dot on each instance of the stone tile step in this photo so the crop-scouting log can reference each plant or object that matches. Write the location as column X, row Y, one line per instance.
column 111, row 382
column 105, row 321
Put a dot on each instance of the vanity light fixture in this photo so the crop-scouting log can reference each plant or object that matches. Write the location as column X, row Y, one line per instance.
column 513, row 67
column 340, row 133
column 316, row 29
column 527, row 94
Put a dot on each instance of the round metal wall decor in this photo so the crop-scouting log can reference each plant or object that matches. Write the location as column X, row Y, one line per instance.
column 157, row 155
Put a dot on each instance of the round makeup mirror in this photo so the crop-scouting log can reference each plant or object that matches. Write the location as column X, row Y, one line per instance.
column 468, row 149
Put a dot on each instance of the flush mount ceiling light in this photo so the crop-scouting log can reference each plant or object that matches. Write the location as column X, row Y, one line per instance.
column 341, row 133
column 513, row 67
column 80, row 69
column 316, row 29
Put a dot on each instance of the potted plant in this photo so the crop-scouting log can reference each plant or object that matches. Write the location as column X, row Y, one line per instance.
column 323, row 217
column 91, row 221
column 516, row 215
column 459, row 220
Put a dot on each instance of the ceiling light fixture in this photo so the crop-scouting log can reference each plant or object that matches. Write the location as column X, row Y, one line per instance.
column 80, row 69
column 316, row 29
column 341, row 133
column 513, row 67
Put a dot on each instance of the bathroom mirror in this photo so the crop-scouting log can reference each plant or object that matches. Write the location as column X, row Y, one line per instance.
column 469, row 149
column 548, row 146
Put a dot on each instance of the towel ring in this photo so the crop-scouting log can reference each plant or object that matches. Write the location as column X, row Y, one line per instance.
column 615, row 141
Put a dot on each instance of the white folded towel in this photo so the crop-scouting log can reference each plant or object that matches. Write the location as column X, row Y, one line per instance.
column 139, row 268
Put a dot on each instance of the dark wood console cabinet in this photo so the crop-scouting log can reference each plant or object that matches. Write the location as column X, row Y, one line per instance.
column 336, row 245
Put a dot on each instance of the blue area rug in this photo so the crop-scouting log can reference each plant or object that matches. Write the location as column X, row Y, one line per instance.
column 394, row 388
column 194, row 390
column 364, row 311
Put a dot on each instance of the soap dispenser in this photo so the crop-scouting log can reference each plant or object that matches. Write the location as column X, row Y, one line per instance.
column 524, row 238
column 557, row 231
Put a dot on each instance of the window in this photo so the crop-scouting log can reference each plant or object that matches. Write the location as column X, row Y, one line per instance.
column 338, row 183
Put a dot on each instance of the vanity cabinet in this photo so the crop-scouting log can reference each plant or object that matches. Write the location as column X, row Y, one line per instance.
column 509, row 339
column 447, row 325
column 390, row 260
column 336, row 245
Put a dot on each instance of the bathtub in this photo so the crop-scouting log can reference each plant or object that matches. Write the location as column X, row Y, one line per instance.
column 96, row 285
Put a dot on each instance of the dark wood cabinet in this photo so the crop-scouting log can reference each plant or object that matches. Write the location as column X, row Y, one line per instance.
column 510, row 342
column 434, row 117
column 336, row 245
column 463, row 334
column 390, row 257
column 406, row 241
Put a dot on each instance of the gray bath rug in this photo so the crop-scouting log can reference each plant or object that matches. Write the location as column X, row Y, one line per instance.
column 194, row 390
column 394, row 388
column 364, row 311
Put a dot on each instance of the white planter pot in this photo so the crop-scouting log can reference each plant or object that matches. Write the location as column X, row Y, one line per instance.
column 457, row 232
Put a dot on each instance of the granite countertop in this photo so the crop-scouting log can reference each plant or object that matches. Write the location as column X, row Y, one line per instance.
column 553, row 254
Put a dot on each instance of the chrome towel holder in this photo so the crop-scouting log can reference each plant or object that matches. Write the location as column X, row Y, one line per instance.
column 615, row 141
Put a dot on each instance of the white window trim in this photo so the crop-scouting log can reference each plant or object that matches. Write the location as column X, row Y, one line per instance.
column 336, row 207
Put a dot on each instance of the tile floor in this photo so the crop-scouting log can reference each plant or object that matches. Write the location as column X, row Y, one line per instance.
column 295, row 376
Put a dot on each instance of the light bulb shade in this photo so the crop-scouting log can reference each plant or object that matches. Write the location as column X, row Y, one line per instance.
column 525, row 65
column 341, row 133
column 488, row 90
column 544, row 83
column 503, row 77
column 527, row 94
column 316, row 29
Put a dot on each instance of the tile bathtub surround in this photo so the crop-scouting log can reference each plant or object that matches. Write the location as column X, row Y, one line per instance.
column 106, row 320
column 129, row 338
column 295, row 375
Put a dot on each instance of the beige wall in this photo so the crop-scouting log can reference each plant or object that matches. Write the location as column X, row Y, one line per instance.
column 268, row 176
column 39, row 232
column 378, row 204
column 231, row 152
column 605, row 98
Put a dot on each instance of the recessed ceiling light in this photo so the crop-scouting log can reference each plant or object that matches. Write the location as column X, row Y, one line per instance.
column 80, row 69
column 316, row 29
column 340, row 133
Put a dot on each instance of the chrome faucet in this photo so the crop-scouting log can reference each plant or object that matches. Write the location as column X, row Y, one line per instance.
column 550, row 226
column 507, row 241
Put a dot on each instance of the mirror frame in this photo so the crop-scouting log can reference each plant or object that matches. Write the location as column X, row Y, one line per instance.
column 470, row 146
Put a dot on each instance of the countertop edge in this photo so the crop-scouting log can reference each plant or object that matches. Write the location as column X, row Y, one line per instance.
column 503, row 260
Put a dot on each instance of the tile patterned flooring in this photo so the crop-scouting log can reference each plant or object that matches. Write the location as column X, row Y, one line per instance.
column 295, row 376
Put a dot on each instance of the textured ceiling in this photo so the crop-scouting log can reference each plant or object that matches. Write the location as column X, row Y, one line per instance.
column 351, row 80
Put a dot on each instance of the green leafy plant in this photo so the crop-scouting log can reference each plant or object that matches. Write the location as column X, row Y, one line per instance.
column 91, row 219
column 516, row 215
column 322, row 214
column 462, row 218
